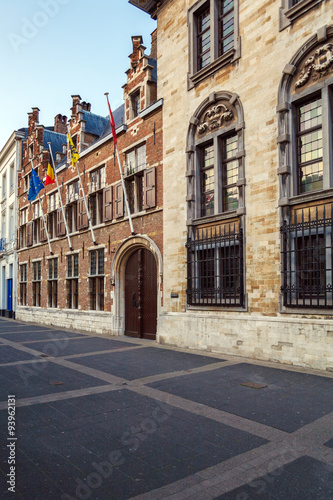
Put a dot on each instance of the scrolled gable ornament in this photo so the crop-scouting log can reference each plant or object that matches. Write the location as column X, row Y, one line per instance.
column 214, row 118
column 317, row 65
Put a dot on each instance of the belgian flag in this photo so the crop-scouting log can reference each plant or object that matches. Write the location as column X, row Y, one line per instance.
column 49, row 175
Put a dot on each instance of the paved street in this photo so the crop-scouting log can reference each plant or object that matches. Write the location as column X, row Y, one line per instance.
column 117, row 418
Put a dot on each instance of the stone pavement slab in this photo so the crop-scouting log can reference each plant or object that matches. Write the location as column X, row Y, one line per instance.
column 144, row 362
column 304, row 478
column 287, row 401
column 143, row 421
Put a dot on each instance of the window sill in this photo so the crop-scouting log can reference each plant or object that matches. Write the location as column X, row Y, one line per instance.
column 220, row 62
column 311, row 196
column 289, row 15
column 232, row 214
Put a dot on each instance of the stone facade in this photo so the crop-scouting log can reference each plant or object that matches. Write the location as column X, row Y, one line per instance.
column 10, row 164
column 272, row 56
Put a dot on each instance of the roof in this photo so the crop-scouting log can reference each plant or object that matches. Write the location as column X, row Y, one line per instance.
column 56, row 140
column 95, row 124
column 118, row 116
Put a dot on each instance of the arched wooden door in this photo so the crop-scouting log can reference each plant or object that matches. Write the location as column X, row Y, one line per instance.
column 141, row 295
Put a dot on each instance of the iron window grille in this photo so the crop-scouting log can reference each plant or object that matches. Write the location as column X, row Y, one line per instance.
column 307, row 271
column 215, row 266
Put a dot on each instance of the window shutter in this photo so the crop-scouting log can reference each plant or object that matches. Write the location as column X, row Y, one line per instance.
column 119, row 200
column 150, row 191
column 107, row 204
column 42, row 233
column 29, row 234
column 18, row 235
column 60, row 224
column 82, row 217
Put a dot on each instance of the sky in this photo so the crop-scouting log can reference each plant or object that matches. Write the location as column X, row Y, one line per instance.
column 52, row 49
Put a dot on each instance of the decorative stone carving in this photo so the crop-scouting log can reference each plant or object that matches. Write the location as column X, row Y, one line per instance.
column 317, row 65
column 214, row 118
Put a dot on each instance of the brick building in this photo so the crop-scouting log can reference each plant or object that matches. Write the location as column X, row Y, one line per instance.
column 248, row 182
column 99, row 276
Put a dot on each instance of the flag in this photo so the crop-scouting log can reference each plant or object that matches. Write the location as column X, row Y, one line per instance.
column 113, row 126
column 75, row 154
column 35, row 186
column 49, row 175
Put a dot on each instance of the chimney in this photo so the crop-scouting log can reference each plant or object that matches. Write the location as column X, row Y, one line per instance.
column 60, row 124
column 76, row 106
column 137, row 42
column 33, row 119
column 86, row 106
column 153, row 50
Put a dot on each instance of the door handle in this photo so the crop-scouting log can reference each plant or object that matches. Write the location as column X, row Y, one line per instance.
column 134, row 304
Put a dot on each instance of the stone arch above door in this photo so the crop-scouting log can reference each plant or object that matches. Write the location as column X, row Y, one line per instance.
column 118, row 268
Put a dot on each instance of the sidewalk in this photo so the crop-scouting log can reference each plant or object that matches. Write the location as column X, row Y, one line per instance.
column 116, row 418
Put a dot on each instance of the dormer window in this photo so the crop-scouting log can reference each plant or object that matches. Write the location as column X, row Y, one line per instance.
column 135, row 104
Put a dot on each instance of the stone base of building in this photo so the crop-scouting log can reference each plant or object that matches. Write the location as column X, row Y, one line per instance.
column 89, row 321
column 300, row 342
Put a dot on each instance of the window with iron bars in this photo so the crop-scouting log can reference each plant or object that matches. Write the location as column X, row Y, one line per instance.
column 215, row 266
column 52, row 283
column 36, row 284
column 72, row 281
column 307, row 270
column 96, row 280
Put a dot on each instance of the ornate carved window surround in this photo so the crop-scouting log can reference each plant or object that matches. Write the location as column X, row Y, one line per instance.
column 309, row 73
column 220, row 115
column 195, row 74
column 290, row 11
column 307, row 79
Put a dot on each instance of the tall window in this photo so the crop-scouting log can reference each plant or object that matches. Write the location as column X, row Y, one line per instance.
column 96, row 280
column 71, row 208
column 230, row 173
column 97, row 180
column 4, row 186
column 11, row 178
column 136, row 160
column 310, row 146
column 204, row 38
column 213, row 37
column 72, row 281
column 36, row 284
column 52, row 283
column 226, row 26
column 207, row 180
column 135, row 104
column 23, row 284
column 305, row 110
column 291, row 10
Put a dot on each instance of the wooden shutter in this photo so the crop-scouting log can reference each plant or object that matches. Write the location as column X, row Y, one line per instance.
column 61, row 230
column 82, row 217
column 149, row 188
column 42, row 233
column 107, row 204
column 119, row 200
column 29, row 234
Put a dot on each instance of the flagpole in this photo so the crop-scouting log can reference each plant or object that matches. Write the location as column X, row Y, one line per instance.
column 43, row 215
column 119, row 164
column 62, row 206
column 84, row 198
